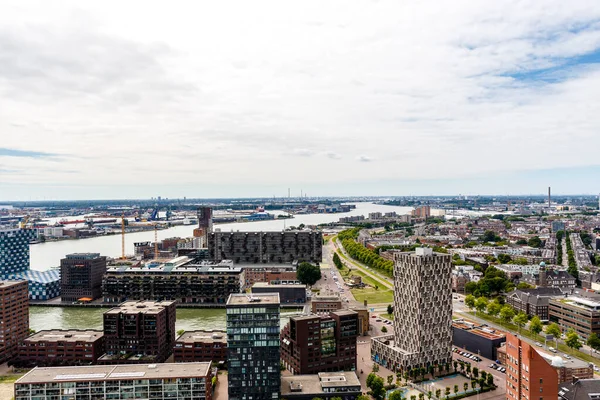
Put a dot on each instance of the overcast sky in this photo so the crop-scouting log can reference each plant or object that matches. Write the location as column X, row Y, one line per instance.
column 131, row 99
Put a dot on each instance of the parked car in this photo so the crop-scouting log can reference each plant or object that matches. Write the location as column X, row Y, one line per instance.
column 538, row 344
column 502, row 369
column 493, row 366
column 568, row 357
column 552, row 349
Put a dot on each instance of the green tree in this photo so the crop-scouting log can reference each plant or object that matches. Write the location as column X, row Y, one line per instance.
column 535, row 242
column 594, row 341
column 520, row 320
column 490, row 380
column 476, row 372
column 395, row 395
column 447, row 391
column 390, row 379
column 470, row 301
column 337, row 261
column 572, row 340
column 438, row 393
column 390, row 309
column 524, row 285
column 465, row 386
column 383, row 329
column 180, row 332
column 535, row 326
column 494, row 308
column 455, row 389
column 504, row 258
column 554, row 330
column 507, row 313
column 521, row 242
column 308, row 274
column 481, row 304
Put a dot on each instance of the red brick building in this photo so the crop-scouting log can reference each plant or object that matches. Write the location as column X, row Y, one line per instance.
column 315, row 343
column 61, row 347
column 199, row 346
column 528, row 375
column 14, row 315
column 139, row 332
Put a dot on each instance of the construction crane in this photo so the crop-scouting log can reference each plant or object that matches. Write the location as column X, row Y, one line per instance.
column 123, row 236
column 156, row 241
column 24, row 221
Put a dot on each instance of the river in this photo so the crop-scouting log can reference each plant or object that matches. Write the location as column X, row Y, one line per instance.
column 49, row 254
column 91, row 318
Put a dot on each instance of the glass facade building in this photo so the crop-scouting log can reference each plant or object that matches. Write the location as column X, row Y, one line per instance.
column 253, row 352
column 14, row 250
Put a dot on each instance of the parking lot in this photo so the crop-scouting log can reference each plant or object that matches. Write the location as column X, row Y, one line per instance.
column 485, row 365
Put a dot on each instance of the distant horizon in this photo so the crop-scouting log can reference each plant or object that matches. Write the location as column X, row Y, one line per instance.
column 356, row 197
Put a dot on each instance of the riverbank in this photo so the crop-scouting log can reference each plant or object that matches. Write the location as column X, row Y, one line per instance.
column 57, row 302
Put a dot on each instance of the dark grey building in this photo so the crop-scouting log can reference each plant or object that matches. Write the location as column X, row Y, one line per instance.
column 253, row 352
column 550, row 277
column 81, row 276
column 287, row 293
column 533, row 302
column 477, row 339
column 266, row 247
column 582, row 389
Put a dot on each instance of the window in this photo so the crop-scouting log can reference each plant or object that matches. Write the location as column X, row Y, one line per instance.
column 541, row 381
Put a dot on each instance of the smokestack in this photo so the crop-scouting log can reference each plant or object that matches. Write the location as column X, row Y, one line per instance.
column 549, row 199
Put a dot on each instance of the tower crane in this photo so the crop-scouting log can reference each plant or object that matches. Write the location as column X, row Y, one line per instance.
column 123, row 236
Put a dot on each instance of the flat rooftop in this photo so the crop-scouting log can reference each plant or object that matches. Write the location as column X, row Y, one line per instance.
column 279, row 286
column 73, row 335
column 136, row 307
column 478, row 329
column 315, row 384
column 203, row 336
column 7, row 284
column 254, row 298
column 115, row 372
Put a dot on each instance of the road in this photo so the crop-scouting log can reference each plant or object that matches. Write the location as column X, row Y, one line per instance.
column 385, row 281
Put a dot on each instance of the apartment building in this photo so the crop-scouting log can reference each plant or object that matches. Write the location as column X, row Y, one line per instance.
column 285, row 273
column 81, row 276
column 266, row 247
column 191, row 381
column 318, row 343
column 253, row 354
column 423, row 304
column 323, row 304
column 581, row 314
column 61, row 347
column 197, row 346
column 14, row 317
column 528, row 375
column 139, row 332
column 178, row 279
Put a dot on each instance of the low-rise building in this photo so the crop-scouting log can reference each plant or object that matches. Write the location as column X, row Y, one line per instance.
column 61, row 347
column 153, row 381
column 254, row 273
column 533, row 302
column 581, row 314
column 579, row 389
column 287, row 293
column 317, row 343
column 43, row 285
column 476, row 338
column 197, row 346
column 550, row 277
column 325, row 385
column 570, row 368
column 323, row 304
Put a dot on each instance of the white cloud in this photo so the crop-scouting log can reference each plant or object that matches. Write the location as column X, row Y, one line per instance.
column 364, row 158
column 128, row 91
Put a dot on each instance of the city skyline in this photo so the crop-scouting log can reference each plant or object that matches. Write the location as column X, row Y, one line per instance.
column 377, row 98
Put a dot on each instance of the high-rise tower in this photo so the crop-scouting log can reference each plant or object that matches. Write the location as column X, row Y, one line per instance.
column 253, row 346
column 423, row 302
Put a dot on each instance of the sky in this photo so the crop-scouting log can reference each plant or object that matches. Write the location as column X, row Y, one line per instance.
column 138, row 99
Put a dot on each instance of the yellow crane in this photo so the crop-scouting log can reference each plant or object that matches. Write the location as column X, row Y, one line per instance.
column 123, row 236
column 156, row 241
column 24, row 221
